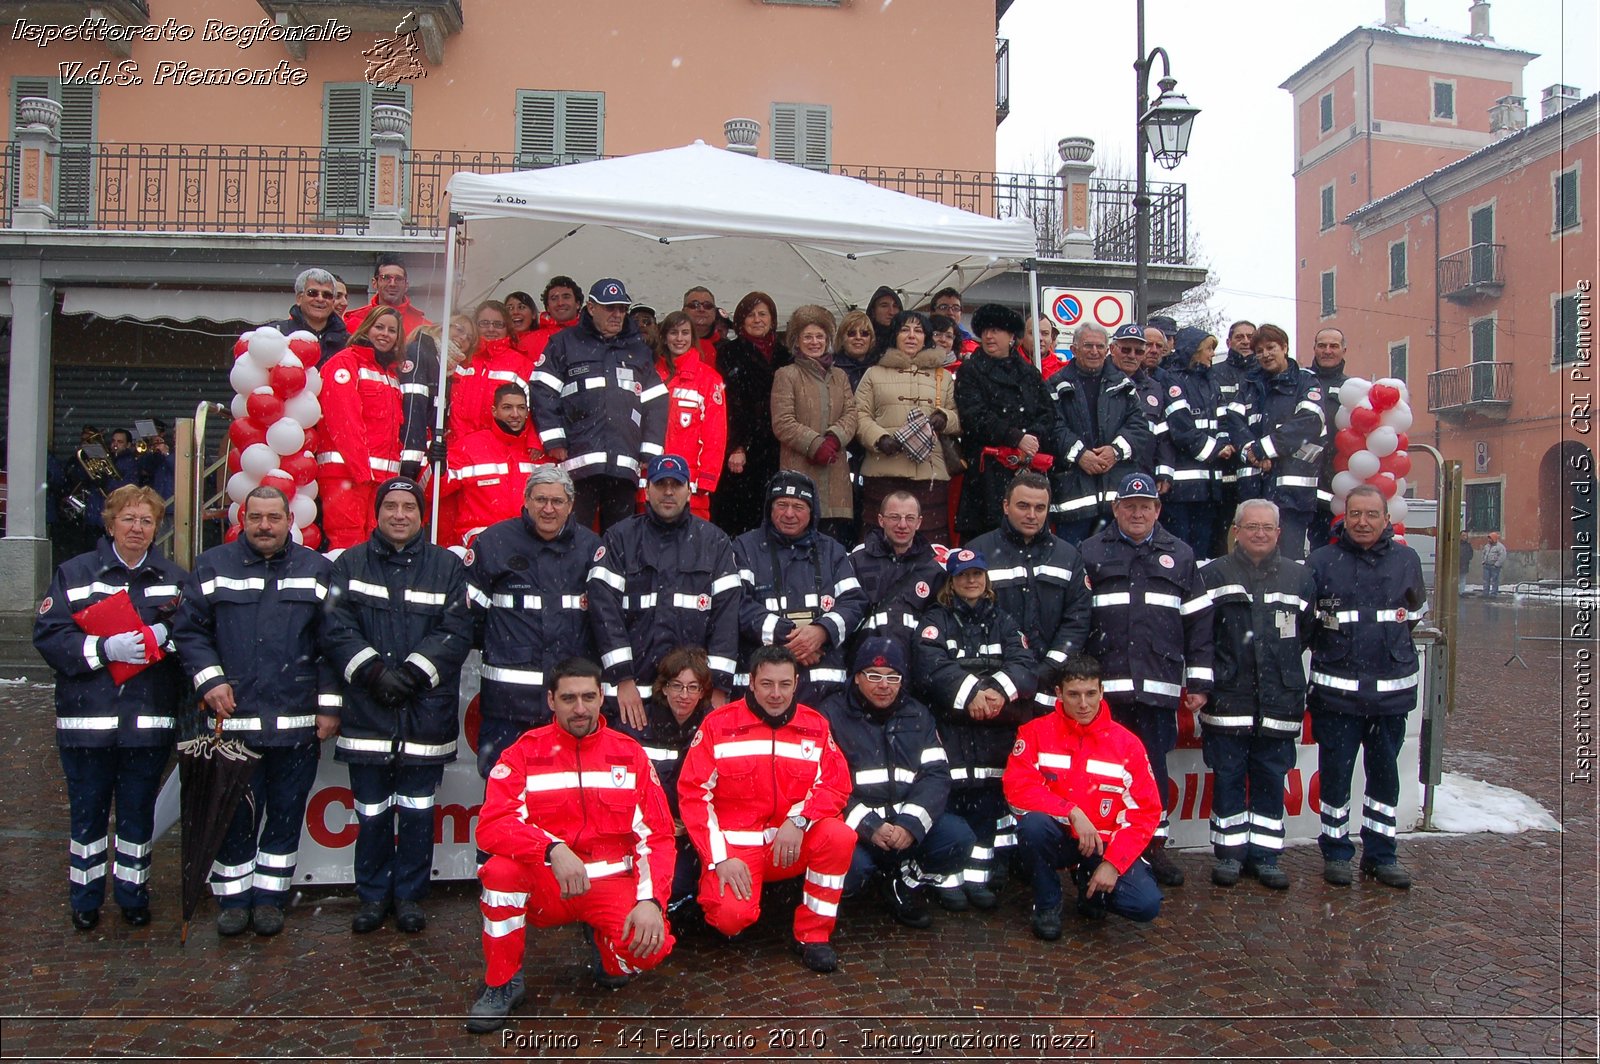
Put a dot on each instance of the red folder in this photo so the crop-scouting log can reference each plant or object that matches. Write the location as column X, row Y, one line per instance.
column 114, row 614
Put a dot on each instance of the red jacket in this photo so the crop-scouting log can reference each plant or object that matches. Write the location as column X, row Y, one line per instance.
column 488, row 470
column 598, row 794
column 472, row 387
column 410, row 317
column 533, row 343
column 741, row 779
column 360, row 429
column 697, row 418
column 1058, row 764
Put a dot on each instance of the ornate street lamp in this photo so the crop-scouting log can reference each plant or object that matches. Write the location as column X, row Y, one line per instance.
column 1162, row 130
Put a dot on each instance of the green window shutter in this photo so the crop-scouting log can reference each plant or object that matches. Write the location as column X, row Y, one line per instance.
column 1398, row 367
column 1566, row 186
column 802, row 134
column 1397, row 266
column 583, row 121
column 344, row 141
column 1325, row 112
column 1566, row 330
column 536, row 127
column 555, row 127
column 1329, row 304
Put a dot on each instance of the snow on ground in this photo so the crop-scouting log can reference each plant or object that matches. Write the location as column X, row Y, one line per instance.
column 1462, row 805
column 14, row 682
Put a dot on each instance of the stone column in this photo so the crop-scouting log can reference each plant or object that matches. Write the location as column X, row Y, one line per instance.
column 25, row 550
column 391, row 128
column 39, row 152
column 1077, row 168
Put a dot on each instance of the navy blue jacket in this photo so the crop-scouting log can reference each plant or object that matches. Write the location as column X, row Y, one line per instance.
column 392, row 605
column 335, row 336
column 898, row 768
column 665, row 740
column 530, row 601
column 1362, row 659
column 254, row 623
column 1288, row 430
column 899, row 587
column 1263, row 619
column 601, row 399
column 91, row 709
column 1194, row 429
column 1076, row 495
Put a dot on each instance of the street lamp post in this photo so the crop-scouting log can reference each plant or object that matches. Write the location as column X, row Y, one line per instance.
column 1163, row 131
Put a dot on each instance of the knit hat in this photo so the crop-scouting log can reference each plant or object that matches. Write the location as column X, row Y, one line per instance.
column 405, row 484
column 880, row 652
column 789, row 484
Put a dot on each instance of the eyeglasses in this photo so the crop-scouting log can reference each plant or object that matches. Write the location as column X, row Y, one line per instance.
column 698, row 304
column 491, row 325
column 859, row 332
column 890, row 678
column 1258, row 528
column 677, row 688
column 317, row 293
column 947, row 309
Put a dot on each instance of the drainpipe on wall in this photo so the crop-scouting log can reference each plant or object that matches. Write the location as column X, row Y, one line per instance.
column 1367, row 63
column 1438, row 363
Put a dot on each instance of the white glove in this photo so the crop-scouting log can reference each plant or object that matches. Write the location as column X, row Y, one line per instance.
column 127, row 647
column 160, row 631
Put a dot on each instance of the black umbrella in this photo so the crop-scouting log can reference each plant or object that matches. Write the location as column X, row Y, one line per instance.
column 213, row 773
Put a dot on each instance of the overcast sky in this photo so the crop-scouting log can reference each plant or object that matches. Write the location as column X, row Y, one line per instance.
column 1072, row 75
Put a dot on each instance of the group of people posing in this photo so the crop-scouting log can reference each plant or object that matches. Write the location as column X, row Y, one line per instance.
column 677, row 710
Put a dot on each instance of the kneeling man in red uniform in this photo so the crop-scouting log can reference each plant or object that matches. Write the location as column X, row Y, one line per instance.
column 1080, row 786
column 578, row 831
column 760, row 794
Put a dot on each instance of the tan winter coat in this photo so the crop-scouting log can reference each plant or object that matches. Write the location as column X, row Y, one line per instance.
column 806, row 403
column 884, row 400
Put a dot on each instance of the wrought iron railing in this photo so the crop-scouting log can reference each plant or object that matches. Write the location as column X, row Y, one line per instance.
column 1466, row 386
column 1116, row 221
column 1481, row 266
column 8, row 181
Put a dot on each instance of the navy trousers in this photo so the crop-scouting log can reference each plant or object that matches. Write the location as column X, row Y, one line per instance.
column 1247, row 794
column 939, row 858
column 255, row 865
column 988, row 817
column 96, row 775
column 394, row 850
column 495, row 736
column 1157, row 729
column 1339, row 737
column 1292, row 538
column 1048, row 847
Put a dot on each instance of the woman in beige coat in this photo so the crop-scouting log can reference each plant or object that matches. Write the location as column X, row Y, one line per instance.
column 908, row 384
column 814, row 417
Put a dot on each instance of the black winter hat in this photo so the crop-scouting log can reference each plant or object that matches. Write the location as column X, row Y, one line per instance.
column 996, row 316
column 788, row 483
column 398, row 484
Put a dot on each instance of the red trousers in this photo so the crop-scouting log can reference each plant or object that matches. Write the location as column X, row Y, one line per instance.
column 348, row 517
column 824, row 858
column 518, row 892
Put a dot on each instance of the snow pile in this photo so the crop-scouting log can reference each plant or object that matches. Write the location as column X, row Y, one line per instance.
column 1466, row 806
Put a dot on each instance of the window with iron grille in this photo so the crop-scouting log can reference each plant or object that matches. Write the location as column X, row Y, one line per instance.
column 347, row 144
column 75, row 165
column 1399, row 356
column 557, row 126
column 1397, row 265
column 1328, row 303
column 802, row 133
column 1328, row 220
column 1564, row 328
column 1483, row 507
column 1325, row 112
column 1565, row 189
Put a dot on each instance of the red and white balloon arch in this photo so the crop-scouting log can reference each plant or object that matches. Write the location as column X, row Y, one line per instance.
column 1370, row 446
column 274, row 429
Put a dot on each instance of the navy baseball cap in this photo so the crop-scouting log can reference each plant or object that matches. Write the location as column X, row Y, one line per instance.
column 880, row 652
column 667, row 467
column 962, row 560
column 1128, row 332
column 1138, row 486
column 608, row 292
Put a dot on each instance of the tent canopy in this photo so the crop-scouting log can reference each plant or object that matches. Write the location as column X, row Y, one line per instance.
column 667, row 221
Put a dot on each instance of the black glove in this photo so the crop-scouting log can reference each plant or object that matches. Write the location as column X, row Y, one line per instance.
column 411, row 470
column 391, row 687
column 436, row 450
column 418, row 679
column 938, row 420
column 888, row 445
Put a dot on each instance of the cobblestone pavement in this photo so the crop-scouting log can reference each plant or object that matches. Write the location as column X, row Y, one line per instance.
column 1493, row 954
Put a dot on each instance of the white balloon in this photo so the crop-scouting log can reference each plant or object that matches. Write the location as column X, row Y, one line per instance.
column 313, row 381
column 1353, row 391
column 280, row 479
column 303, row 509
column 1398, row 510
column 1400, row 485
column 285, row 436
column 240, row 485
column 1344, row 483
column 294, row 534
column 1364, row 464
column 246, row 376
column 304, row 409
column 308, row 490
column 292, row 359
column 1381, row 441
column 1397, row 417
column 1394, row 382
column 257, row 460
column 303, row 334
column 1337, row 506
column 1341, row 418
column 238, row 407
column 268, row 346
column 233, row 512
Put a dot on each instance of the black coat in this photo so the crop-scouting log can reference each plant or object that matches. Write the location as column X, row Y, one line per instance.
column 999, row 401
column 1288, row 431
column 1196, row 439
column 333, row 338
column 392, row 605
column 530, row 603
column 899, row 587
column 737, row 505
column 1329, row 381
column 899, row 772
column 1362, row 659
column 665, row 740
column 601, row 399
column 1263, row 618
column 1077, row 495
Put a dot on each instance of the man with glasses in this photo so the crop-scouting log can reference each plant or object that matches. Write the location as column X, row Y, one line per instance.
column 1263, row 618
column 900, row 785
column 947, row 301
column 314, row 312
column 391, row 287
column 899, row 570
column 526, row 579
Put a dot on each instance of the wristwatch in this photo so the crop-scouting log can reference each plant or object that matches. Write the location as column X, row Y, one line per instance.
column 800, row 822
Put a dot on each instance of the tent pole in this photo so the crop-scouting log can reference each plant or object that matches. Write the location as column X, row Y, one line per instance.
column 440, row 469
column 1033, row 313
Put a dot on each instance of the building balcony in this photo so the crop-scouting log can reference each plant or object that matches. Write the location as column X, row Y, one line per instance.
column 1473, row 273
column 1002, row 79
column 77, row 12
column 1470, row 394
column 435, row 20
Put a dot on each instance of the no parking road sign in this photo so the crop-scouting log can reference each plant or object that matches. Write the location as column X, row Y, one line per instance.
column 1071, row 307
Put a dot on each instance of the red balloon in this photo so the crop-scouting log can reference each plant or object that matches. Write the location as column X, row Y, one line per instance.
column 1384, row 484
column 309, row 352
column 264, row 407
column 1397, row 464
column 232, row 533
column 311, row 535
column 1363, row 419
column 1348, row 441
column 1383, row 396
column 302, row 467
column 1341, row 462
column 245, row 431
column 1405, row 442
column 311, row 442
column 1400, row 528
column 286, row 381
column 233, row 460
column 278, row 478
column 240, row 346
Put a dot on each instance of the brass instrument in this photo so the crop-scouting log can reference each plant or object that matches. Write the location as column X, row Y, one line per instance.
column 98, row 471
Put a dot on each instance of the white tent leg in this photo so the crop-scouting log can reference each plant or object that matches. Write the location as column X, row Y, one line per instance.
column 1033, row 315
column 439, row 470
